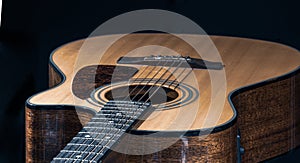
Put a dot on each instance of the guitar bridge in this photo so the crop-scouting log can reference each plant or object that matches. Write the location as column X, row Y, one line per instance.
column 172, row 61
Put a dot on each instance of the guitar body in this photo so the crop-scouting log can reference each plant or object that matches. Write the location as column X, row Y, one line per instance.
column 262, row 102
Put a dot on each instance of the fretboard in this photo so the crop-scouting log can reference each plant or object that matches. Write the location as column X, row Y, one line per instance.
column 104, row 130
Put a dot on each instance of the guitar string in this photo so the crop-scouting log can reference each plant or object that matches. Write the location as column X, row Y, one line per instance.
column 153, row 67
column 132, row 90
column 142, row 97
column 160, row 79
column 178, row 76
column 80, row 146
column 96, row 155
column 168, row 86
column 191, row 70
column 140, row 74
column 171, row 83
column 167, row 78
column 150, row 79
column 157, row 88
column 144, row 103
column 86, row 148
column 125, row 99
column 153, row 93
column 84, row 144
column 161, row 68
column 99, row 143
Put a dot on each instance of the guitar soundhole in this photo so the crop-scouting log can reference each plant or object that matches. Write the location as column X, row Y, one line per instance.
column 169, row 96
column 142, row 93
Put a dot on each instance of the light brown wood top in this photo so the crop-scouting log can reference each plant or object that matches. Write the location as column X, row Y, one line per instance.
column 247, row 61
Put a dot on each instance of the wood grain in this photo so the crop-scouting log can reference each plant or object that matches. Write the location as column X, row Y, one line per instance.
column 268, row 118
column 50, row 129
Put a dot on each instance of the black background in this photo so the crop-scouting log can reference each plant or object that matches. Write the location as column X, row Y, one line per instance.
column 31, row 29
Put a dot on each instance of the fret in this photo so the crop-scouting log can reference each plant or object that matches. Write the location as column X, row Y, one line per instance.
column 131, row 113
column 117, row 126
column 102, row 132
column 79, row 147
column 77, row 138
column 76, row 160
column 126, row 110
column 82, row 132
column 64, row 155
column 71, row 145
column 97, row 157
column 101, row 119
column 78, row 152
column 110, row 123
column 98, row 139
column 103, row 129
column 118, row 116
column 111, row 120
column 90, row 156
column 99, row 125
column 135, row 103
column 123, row 108
column 84, row 150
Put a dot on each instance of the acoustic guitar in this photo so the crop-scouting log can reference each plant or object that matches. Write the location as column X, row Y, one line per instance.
column 154, row 98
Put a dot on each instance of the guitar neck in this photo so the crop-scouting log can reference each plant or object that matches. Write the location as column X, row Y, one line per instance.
column 103, row 132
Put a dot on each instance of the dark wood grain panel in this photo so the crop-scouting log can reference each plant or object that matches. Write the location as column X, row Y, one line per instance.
column 215, row 147
column 268, row 118
column 50, row 128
